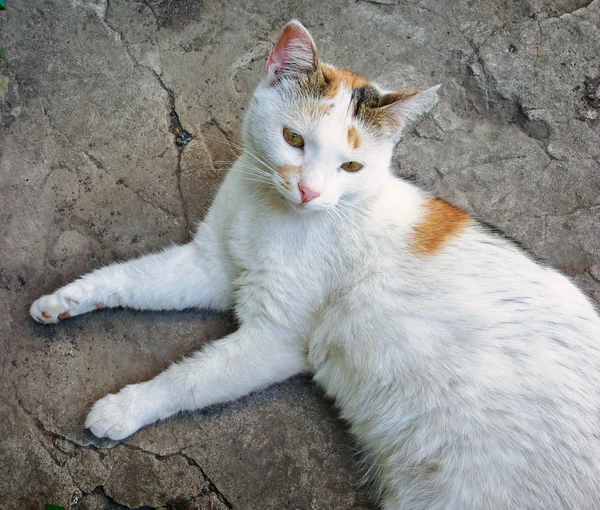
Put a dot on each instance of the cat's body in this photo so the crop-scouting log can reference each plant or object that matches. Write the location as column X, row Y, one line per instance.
column 469, row 373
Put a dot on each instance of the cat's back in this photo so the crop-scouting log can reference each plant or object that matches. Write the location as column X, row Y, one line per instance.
column 469, row 372
column 440, row 262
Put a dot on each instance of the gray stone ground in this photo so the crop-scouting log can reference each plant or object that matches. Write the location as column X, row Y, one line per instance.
column 90, row 174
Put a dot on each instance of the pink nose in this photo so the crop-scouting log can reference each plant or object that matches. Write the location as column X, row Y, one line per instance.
column 306, row 193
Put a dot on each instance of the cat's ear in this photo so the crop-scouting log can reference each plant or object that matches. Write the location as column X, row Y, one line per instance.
column 406, row 105
column 294, row 54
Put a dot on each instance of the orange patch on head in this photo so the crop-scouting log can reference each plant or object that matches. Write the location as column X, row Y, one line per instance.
column 338, row 77
column 353, row 137
column 316, row 110
column 441, row 222
column 288, row 172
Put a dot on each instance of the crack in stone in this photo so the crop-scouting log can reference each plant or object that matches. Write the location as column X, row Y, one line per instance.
column 487, row 81
column 538, row 50
column 102, row 12
column 40, row 425
column 149, row 6
column 160, row 81
column 46, row 432
column 120, row 182
column 213, row 491
column 552, row 14
column 100, row 166
column 379, row 3
column 484, row 163
column 171, row 95
column 180, row 149
column 114, row 505
column 212, row 487
column 180, row 190
column 221, row 129
column 572, row 212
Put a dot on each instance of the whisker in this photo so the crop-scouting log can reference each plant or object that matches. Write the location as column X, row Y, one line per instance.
column 256, row 180
column 253, row 171
column 244, row 150
column 354, row 207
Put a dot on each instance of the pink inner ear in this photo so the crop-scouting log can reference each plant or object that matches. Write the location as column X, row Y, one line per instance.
column 294, row 49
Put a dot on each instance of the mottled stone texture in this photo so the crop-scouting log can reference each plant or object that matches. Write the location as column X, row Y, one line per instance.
column 89, row 174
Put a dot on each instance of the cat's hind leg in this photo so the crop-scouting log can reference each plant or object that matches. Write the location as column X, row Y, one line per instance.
column 249, row 359
column 180, row 277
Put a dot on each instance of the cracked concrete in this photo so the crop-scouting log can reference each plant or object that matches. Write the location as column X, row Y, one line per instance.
column 89, row 174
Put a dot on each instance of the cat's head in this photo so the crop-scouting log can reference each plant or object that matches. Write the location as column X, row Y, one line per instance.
column 323, row 135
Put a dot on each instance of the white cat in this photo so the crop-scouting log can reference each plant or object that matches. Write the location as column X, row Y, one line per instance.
column 469, row 373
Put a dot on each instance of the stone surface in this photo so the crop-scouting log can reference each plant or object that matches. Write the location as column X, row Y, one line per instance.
column 89, row 174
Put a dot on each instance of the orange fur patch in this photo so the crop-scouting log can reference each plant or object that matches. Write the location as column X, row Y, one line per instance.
column 353, row 137
column 288, row 172
column 316, row 110
column 442, row 221
column 337, row 77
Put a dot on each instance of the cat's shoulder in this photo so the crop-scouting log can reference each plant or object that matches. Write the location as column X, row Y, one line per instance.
column 426, row 222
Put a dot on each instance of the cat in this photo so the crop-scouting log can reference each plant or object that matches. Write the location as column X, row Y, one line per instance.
column 468, row 372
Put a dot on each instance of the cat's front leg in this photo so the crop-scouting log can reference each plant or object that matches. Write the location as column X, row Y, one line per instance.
column 249, row 359
column 180, row 277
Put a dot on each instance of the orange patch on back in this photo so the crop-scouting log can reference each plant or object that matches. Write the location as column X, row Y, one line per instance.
column 353, row 137
column 441, row 222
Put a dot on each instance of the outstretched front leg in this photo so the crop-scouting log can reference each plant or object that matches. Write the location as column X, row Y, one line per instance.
column 192, row 275
column 251, row 358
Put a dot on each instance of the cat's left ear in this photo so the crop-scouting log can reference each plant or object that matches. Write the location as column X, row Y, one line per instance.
column 294, row 54
column 406, row 105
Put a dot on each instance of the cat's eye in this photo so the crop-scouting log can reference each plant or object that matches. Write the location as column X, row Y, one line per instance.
column 293, row 138
column 352, row 166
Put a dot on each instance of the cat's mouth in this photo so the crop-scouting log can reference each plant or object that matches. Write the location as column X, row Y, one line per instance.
column 302, row 207
column 310, row 207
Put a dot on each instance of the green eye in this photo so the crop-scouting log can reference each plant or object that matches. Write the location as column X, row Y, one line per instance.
column 293, row 138
column 352, row 166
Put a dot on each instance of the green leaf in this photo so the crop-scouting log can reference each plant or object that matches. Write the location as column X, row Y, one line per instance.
column 2, row 4
column 53, row 507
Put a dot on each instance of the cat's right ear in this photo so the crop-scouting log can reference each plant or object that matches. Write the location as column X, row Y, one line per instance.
column 294, row 54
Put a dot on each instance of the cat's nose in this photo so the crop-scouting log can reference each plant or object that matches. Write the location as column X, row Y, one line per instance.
column 306, row 193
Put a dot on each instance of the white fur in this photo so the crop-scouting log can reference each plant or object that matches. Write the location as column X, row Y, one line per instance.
column 470, row 377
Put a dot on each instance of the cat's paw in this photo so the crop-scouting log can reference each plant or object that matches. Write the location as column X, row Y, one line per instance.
column 64, row 303
column 113, row 416
column 50, row 309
